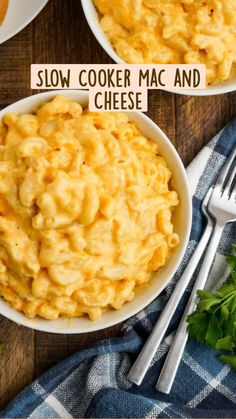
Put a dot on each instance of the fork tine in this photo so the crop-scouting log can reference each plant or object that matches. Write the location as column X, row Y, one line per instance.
column 224, row 172
column 229, row 186
column 207, row 197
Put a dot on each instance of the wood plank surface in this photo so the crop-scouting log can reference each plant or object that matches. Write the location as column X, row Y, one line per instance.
column 60, row 34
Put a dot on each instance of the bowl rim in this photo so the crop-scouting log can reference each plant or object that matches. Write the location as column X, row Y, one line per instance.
column 24, row 24
column 20, row 318
column 98, row 33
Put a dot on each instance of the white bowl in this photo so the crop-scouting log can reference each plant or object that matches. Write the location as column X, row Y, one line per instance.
column 93, row 21
column 183, row 221
column 20, row 13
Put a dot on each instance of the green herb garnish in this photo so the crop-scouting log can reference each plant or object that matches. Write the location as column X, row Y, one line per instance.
column 214, row 321
column 2, row 346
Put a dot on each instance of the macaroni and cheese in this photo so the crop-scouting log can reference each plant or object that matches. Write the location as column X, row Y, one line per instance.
column 173, row 32
column 85, row 210
column 3, row 9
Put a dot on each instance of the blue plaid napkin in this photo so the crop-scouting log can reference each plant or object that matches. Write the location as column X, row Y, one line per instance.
column 93, row 382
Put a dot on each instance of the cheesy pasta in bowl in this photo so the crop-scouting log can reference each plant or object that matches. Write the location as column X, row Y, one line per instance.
column 16, row 15
column 170, row 32
column 91, row 216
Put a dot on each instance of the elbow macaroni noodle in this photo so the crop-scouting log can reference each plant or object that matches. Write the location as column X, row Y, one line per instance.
column 85, row 211
column 173, row 32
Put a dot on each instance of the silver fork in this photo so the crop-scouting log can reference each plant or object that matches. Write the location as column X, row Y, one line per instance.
column 143, row 361
column 222, row 206
column 148, row 351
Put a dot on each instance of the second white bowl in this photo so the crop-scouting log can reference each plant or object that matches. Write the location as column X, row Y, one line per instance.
column 93, row 21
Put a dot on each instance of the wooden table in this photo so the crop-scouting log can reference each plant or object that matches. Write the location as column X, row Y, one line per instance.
column 60, row 34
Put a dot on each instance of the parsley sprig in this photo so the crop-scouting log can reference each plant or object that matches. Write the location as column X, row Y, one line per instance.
column 214, row 321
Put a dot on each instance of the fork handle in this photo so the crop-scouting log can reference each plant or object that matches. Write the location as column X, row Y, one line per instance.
column 148, row 351
column 175, row 353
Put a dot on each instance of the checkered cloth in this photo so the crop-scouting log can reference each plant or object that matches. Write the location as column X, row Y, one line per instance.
column 93, row 383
